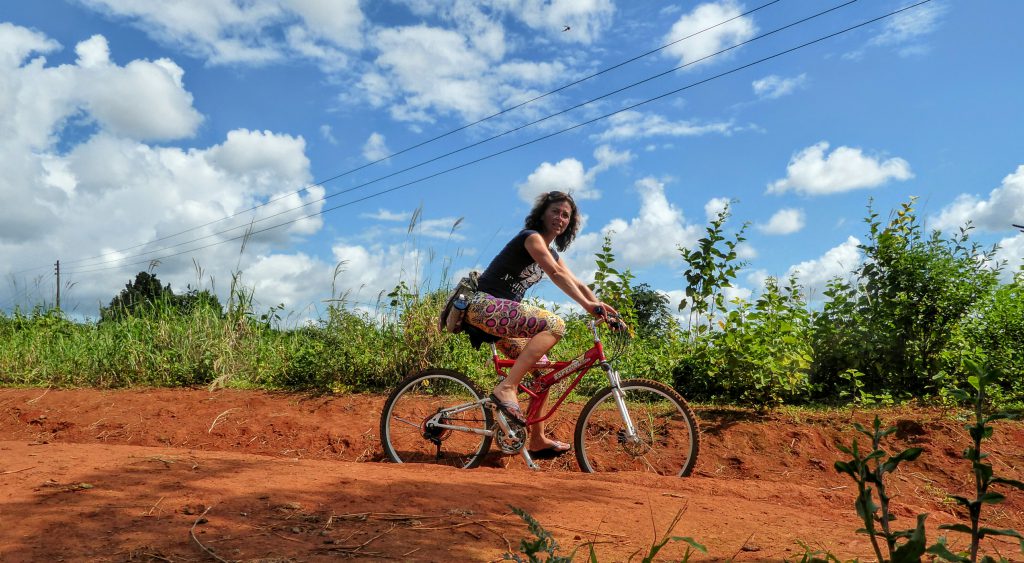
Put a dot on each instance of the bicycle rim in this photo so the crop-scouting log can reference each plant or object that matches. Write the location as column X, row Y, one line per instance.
column 407, row 432
column 667, row 436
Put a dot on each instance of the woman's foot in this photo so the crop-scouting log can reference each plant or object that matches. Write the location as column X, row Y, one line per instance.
column 508, row 403
column 546, row 445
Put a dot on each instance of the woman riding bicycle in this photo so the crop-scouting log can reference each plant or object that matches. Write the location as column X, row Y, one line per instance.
column 525, row 332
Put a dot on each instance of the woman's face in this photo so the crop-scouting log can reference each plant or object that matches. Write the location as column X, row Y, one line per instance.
column 556, row 217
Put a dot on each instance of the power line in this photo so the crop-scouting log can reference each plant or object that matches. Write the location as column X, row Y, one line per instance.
column 251, row 232
column 478, row 143
column 428, row 141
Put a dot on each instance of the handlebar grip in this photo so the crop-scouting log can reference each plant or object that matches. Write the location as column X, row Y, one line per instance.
column 599, row 311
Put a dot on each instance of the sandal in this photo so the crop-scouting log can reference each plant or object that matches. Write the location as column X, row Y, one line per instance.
column 510, row 409
column 554, row 450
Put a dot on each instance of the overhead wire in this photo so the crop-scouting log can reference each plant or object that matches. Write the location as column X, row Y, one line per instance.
column 475, row 144
column 427, row 141
column 250, row 232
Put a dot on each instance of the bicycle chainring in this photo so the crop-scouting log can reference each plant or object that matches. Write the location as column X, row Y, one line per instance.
column 511, row 443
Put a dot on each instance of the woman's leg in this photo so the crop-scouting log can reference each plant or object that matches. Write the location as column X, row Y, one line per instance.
column 538, row 440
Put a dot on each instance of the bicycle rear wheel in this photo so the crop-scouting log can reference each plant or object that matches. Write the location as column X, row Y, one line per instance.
column 409, row 430
column 667, row 435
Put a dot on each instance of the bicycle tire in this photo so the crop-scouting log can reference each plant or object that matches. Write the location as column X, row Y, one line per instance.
column 668, row 432
column 404, row 428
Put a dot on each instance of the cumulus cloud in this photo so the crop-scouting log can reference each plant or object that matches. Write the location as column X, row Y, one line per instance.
column 375, row 148
column 96, row 195
column 638, row 125
column 715, row 206
column 773, row 86
column 811, row 172
column 784, row 222
column 568, row 175
column 230, row 32
column 713, row 40
column 1003, row 208
column 371, row 271
column 1011, row 250
column 839, row 261
column 652, row 237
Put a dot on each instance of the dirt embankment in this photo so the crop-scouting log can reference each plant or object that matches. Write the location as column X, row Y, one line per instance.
column 189, row 475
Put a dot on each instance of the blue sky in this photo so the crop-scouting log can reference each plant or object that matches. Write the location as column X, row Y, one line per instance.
column 133, row 131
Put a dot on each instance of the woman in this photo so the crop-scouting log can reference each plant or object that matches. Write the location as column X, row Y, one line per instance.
column 525, row 332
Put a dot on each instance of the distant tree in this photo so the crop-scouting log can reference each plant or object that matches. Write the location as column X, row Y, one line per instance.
column 147, row 294
column 653, row 315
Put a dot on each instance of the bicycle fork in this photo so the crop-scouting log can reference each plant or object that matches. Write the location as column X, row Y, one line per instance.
column 620, row 402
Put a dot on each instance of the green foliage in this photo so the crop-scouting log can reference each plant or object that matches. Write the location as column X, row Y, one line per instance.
column 542, row 547
column 811, row 555
column 653, row 316
column 762, row 354
column 146, row 294
column 995, row 333
column 984, row 477
column 912, row 291
column 612, row 286
column 710, row 268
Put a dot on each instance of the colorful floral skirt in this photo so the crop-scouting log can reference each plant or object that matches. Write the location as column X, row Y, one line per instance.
column 513, row 322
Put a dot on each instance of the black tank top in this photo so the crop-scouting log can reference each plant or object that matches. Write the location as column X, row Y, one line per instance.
column 513, row 270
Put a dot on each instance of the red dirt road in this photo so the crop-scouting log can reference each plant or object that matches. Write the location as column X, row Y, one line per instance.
column 190, row 475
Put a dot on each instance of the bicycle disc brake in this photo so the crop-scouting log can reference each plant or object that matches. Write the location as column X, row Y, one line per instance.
column 634, row 448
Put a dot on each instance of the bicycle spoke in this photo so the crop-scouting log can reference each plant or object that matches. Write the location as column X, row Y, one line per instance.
column 666, row 441
column 407, row 436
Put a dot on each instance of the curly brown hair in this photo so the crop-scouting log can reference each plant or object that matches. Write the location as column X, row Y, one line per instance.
column 535, row 220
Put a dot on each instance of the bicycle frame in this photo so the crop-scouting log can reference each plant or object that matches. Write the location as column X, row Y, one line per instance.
column 538, row 389
column 555, row 373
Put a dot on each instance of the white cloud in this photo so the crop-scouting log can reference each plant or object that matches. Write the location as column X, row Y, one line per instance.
column 714, row 206
column 784, row 222
column 567, row 175
column 811, row 172
column 231, row 32
column 713, row 40
column 328, row 134
column 1003, row 208
column 773, row 86
column 911, row 25
column 83, row 198
column 587, row 19
column 368, row 272
column 1011, row 250
column 386, row 215
column 637, row 125
column 375, row 148
column 839, row 261
column 652, row 237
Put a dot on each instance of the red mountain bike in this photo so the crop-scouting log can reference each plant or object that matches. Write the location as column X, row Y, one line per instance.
column 439, row 416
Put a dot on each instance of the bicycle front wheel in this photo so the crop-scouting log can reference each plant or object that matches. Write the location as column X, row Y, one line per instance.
column 436, row 416
column 666, row 438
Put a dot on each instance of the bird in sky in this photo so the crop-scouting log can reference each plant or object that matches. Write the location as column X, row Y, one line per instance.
column 566, row 28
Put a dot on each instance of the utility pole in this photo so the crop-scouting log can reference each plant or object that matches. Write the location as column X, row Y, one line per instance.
column 57, row 268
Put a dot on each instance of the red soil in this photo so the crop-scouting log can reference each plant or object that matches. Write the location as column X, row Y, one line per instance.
column 192, row 475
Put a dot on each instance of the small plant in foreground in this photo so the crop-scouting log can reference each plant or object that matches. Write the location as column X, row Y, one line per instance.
column 983, row 475
column 867, row 470
column 657, row 545
column 544, row 544
column 811, row 555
